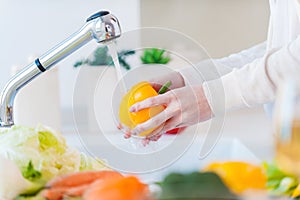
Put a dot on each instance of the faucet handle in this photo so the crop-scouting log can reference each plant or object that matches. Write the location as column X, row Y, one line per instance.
column 98, row 14
column 104, row 26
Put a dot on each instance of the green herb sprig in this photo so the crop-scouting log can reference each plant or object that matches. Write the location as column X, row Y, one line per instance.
column 155, row 56
column 101, row 57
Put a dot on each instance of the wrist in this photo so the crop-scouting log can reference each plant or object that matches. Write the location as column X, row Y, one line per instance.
column 204, row 108
column 180, row 80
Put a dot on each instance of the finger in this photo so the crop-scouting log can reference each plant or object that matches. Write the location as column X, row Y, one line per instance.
column 120, row 126
column 125, row 129
column 157, row 132
column 145, row 142
column 174, row 122
column 127, row 135
column 154, row 121
column 156, row 137
column 150, row 102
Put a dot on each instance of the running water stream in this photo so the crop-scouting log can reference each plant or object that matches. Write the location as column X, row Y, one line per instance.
column 112, row 48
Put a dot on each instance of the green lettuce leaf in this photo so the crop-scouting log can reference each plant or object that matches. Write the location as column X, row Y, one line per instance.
column 279, row 182
column 41, row 153
column 30, row 173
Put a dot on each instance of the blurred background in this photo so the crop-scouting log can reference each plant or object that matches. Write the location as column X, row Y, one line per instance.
column 31, row 27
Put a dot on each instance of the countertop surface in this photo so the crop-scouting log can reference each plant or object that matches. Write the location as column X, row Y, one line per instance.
column 245, row 136
column 252, row 127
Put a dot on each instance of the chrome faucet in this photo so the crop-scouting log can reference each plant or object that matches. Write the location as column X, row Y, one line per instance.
column 102, row 27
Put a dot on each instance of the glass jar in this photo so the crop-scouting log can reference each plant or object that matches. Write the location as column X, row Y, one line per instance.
column 287, row 129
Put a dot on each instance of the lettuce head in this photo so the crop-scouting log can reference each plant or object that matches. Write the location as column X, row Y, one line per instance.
column 41, row 153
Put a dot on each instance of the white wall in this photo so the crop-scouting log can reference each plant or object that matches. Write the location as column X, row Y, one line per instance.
column 221, row 26
column 33, row 26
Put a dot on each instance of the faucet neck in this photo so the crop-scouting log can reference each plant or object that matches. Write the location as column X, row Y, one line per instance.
column 101, row 26
column 10, row 91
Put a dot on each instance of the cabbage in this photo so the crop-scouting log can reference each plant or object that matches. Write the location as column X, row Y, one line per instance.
column 12, row 183
column 42, row 153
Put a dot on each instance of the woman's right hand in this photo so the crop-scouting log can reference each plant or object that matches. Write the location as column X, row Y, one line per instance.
column 184, row 107
column 177, row 82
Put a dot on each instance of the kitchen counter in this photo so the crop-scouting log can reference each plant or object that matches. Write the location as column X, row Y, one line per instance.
column 246, row 136
column 152, row 163
column 251, row 126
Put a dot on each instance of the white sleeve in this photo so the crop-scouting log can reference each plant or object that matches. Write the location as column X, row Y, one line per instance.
column 244, row 57
column 214, row 68
column 256, row 82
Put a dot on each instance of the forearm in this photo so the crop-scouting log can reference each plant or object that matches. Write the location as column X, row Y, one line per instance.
column 240, row 59
column 204, row 71
column 211, row 69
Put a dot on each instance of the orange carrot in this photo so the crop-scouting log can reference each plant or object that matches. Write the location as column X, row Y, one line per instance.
column 58, row 193
column 53, row 194
column 82, row 178
column 129, row 188
column 77, row 191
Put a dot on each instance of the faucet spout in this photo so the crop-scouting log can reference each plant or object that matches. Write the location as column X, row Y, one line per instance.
column 102, row 26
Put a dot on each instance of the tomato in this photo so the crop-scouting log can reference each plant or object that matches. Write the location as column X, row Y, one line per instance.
column 175, row 130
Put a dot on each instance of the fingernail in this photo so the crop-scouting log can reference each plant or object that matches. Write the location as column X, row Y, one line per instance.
column 127, row 135
column 131, row 109
column 120, row 126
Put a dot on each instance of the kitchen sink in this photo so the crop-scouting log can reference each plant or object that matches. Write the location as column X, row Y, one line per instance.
column 153, row 162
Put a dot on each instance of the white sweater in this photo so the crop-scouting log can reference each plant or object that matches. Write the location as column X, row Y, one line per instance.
column 258, row 72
